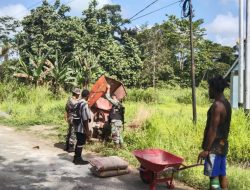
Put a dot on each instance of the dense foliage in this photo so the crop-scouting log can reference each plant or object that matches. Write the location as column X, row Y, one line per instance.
column 60, row 50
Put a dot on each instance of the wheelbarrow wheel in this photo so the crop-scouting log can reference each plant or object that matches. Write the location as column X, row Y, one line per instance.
column 147, row 176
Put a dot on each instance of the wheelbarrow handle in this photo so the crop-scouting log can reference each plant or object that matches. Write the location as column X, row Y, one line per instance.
column 190, row 166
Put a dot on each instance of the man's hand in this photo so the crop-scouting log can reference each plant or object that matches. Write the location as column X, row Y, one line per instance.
column 108, row 86
column 202, row 155
column 88, row 133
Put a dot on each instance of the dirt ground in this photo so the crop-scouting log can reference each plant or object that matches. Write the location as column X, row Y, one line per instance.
column 30, row 162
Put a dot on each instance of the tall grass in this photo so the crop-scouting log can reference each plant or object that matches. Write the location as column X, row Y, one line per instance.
column 163, row 120
column 170, row 128
column 31, row 106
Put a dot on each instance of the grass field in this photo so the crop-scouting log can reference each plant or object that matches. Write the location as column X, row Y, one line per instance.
column 157, row 119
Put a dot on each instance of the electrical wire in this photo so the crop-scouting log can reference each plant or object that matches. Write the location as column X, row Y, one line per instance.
column 143, row 9
column 69, row 2
column 156, row 10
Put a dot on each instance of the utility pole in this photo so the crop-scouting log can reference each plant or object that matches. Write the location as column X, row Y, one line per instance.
column 247, row 70
column 241, row 55
column 154, row 69
column 192, row 62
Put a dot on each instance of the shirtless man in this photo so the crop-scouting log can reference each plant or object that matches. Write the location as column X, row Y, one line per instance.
column 215, row 141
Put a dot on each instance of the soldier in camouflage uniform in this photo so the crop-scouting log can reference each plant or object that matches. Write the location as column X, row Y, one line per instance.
column 70, row 137
column 116, row 117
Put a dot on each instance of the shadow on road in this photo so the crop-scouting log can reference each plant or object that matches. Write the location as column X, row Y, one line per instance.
column 54, row 174
column 60, row 145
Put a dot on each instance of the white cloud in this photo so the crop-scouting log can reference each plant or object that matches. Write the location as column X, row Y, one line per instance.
column 77, row 6
column 224, row 29
column 16, row 10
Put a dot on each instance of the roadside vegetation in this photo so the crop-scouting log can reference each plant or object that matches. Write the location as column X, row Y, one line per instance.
column 57, row 52
column 159, row 118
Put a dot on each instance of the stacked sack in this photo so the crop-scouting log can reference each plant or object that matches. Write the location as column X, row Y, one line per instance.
column 108, row 166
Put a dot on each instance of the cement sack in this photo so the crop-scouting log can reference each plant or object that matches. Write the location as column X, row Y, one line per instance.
column 108, row 163
column 109, row 173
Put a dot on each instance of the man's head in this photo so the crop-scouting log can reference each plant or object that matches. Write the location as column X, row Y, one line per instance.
column 76, row 92
column 216, row 86
column 85, row 94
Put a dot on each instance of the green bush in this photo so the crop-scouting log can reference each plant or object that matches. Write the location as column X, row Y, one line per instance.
column 143, row 95
column 31, row 106
column 185, row 96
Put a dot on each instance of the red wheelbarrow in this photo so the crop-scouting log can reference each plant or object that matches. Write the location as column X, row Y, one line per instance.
column 156, row 164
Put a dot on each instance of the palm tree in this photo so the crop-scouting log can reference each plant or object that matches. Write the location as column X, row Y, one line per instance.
column 60, row 75
column 35, row 71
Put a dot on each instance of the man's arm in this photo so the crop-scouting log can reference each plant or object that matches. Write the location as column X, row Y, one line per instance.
column 115, row 103
column 211, row 135
column 86, row 117
column 66, row 111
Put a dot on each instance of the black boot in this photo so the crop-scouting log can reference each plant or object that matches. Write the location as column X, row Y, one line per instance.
column 66, row 146
column 80, row 161
column 78, row 157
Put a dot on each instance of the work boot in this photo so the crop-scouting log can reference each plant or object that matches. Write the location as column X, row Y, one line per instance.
column 78, row 157
column 80, row 161
column 70, row 148
column 66, row 146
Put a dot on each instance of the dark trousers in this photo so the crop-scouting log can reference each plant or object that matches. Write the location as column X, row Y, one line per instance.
column 81, row 140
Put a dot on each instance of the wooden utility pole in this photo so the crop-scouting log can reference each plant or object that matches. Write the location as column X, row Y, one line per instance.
column 192, row 62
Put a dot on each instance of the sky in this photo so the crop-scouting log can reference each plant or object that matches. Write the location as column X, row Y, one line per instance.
column 220, row 16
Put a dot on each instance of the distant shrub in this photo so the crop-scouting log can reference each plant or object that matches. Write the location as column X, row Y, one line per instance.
column 5, row 91
column 171, row 84
column 185, row 96
column 21, row 94
column 143, row 95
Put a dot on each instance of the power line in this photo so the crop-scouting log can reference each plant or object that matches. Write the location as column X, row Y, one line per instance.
column 143, row 9
column 69, row 2
column 156, row 10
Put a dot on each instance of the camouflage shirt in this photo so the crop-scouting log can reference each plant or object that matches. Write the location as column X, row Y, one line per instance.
column 72, row 101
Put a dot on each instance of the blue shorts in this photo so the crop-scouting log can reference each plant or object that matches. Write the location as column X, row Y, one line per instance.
column 215, row 165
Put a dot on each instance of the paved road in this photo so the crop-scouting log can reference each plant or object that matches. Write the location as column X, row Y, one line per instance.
column 26, row 168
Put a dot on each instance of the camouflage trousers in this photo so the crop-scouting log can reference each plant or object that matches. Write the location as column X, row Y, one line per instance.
column 116, row 131
column 70, row 137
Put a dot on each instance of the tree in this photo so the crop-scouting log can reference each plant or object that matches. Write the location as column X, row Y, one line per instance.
column 167, row 56
column 45, row 30
column 87, row 69
column 60, row 75
column 118, row 52
column 35, row 71
column 8, row 26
